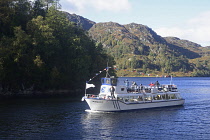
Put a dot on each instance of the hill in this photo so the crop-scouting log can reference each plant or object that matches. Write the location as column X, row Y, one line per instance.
column 136, row 47
column 190, row 49
column 145, row 34
column 86, row 24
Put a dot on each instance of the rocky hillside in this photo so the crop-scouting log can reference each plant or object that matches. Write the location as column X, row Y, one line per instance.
column 140, row 37
column 112, row 34
column 145, row 34
column 86, row 24
column 190, row 46
column 184, row 44
column 136, row 46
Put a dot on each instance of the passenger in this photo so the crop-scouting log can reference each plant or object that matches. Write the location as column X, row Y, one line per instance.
column 151, row 84
column 134, row 83
column 126, row 83
column 141, row 87
column 112, row 90
column 134, row 86
column 157, row 83
column 139, row 98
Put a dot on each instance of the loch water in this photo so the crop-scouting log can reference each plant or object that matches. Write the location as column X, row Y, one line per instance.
column 64, row 119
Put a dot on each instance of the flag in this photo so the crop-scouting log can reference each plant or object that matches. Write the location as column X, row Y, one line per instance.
column 89, row 85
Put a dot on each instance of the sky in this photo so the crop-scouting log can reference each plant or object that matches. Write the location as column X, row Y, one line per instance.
column 185, row 19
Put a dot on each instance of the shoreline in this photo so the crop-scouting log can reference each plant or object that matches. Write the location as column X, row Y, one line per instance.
column 74, row 94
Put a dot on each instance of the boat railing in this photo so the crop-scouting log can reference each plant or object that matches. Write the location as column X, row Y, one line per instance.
column 91, row 96
column 171, row 88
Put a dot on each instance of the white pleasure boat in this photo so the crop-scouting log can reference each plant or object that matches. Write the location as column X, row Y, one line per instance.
column 124, row 97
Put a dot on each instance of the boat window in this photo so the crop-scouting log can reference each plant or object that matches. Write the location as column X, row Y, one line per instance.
column 120, row 98
column 173, row 96
column 107, row 81
column 133, row 98
column 140, row 98
column 174, row 89
column 165, row 96
column 157, row 97
column 178, row 96
column 148, row 98
column 122, row 89
column 126, row 99
column 114, row 82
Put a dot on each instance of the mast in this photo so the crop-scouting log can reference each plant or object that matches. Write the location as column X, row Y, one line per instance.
column 171, row 80
column 107, row 69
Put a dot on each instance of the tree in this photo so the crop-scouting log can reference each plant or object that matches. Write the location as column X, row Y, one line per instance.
column 6, row 17
column 45, row 51
column 38, row 9
column 50, row 3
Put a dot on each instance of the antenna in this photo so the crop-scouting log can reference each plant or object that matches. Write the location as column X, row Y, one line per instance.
column 171, row 80
column 107, row 68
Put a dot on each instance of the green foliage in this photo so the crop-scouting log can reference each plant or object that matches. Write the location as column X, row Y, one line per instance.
column 201, row 66
column 136, row 46
column 44, row 50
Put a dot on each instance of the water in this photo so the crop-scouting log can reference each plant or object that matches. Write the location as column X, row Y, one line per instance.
column 62, row 119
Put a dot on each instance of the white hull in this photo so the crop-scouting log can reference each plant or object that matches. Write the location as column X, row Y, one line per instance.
column 116, row 97
column 116, row 105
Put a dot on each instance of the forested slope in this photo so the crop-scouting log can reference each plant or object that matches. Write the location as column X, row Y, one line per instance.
column 44, row 49
column 41, row 50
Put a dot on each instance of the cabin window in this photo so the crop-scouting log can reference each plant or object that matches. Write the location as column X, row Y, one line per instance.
column 122, row 89
column 107, row 81
column 114, row 81
column 136, row 98
column 173, row 96
column 148, row 98
column 133, row 98
column 178, row 96
column 120, row 98
column 140, row 98
column 165, row 96
column 147, row 90
column 126, row 99
column 157, row 97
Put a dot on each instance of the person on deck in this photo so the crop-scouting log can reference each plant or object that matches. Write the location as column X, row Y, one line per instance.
column 126, row 83
column 157, row 83
column 151, row 84
column 112, row 90
column 141, row 87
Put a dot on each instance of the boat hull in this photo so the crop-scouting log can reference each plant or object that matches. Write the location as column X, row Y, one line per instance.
column 117, row 105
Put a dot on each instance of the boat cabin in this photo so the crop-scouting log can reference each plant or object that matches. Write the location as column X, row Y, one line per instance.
column 106, row 84
column 143, row 98
column 109, row 81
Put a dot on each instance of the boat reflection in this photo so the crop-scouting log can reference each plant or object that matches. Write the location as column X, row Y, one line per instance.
column 121, row 124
